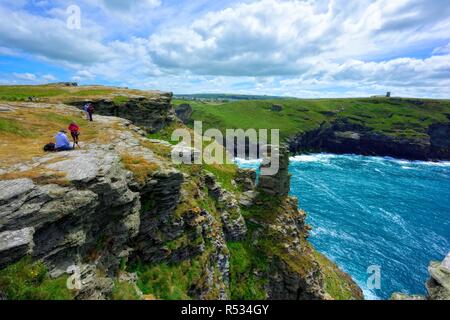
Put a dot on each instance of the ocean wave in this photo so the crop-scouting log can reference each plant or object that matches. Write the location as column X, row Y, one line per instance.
column 369, row 294
column 318, row 157
column 408, row 163
column 241, row 161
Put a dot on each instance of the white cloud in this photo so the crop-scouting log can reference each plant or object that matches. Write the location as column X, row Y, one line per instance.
column 286, row 47
column 131, row 4
column 274, row 37
column 25, row 76
column 49, row 77
column 49, row 38
column 442, row 50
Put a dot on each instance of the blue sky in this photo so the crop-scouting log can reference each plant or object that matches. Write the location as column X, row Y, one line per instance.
column 302, row 48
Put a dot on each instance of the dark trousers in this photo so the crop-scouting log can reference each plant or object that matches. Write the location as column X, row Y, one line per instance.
column 64, row 148
column 90, row 116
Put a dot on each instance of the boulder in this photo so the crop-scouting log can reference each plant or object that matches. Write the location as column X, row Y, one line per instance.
column 247, row 199
column 15, row 245
column 277, row 108
column 246, row 178
column 184, row 112
column 438, row 286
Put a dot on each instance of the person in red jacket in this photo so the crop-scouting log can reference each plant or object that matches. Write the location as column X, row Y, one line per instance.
column 75, row 133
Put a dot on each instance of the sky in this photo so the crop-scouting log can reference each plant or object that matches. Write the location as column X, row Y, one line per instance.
column 297, row 48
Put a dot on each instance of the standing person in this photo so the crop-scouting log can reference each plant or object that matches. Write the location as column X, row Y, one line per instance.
column 85, row 109
column 75, row 133
column 90, row 111
column 62, row 142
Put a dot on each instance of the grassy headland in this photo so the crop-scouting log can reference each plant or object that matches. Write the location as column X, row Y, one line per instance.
column 398, row 117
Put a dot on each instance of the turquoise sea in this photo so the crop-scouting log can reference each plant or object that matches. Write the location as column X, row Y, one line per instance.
column 374, row 211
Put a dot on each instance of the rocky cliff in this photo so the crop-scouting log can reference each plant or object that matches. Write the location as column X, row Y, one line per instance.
column 150, row 111
column 343, row 136
column 438, row 285
column 118, row 220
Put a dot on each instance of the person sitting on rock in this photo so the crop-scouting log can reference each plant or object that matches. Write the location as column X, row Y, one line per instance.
column 75, row 133
column 62, row 142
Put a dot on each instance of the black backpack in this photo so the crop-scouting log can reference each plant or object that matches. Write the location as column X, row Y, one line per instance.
column 49, row 147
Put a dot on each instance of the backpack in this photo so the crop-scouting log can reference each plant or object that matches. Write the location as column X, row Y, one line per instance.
column 49, row 147
column 90, row 108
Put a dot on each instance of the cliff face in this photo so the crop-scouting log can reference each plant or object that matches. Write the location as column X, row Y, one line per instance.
column 344, row 137
column 97, row 214
column 292, row 269
column 118, row 214
column 151, row 112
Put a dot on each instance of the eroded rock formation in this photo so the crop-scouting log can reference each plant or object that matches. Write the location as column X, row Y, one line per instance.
column 184, row 112
column 122, row 201
column 150, row 112
column 345, row 137
column 279, row 183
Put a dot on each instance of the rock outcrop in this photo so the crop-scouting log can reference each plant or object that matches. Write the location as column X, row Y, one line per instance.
column 294, row 271
column 246, row 178
column 121, row 201
column 234, row 224
column 345, row 137
column 277, row 108
column 279, row 183
column 150, row 112
column 438, row 285
column 184, row 112
column 98, row 214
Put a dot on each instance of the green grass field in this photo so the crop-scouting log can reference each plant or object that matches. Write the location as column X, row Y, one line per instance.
column 59, row 93
column 406, row 117
column 395, row 117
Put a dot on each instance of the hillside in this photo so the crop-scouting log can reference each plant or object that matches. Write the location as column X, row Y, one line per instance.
column 224, row 97
column 409, row 128
column 122, row 221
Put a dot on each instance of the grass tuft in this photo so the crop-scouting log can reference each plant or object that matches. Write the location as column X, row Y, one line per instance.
column 139, row 166
column 26, row 280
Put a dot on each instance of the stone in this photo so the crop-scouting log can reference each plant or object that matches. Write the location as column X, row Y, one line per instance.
column 184, row 112
column 247, row 199
column 234, row 224
column 5, row 109
column 14, row 245
column 246, row 178
column 438, row 286
column 84, row 166
column 279, row 183
column 277, row 108
column 403, row 296
column 151, row 113
column 10, row 189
